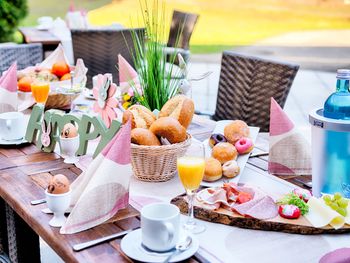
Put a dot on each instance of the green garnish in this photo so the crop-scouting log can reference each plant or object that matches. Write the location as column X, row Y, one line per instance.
column 293, row 199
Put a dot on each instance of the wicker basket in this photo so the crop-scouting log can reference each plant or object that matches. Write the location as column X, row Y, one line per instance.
column 60, row 100
column 157, row 163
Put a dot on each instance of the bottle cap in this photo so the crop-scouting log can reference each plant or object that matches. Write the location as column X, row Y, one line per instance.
column 343, row 74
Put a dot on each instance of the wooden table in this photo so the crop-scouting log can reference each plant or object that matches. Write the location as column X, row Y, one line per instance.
column 24, row 174
column 33, row 35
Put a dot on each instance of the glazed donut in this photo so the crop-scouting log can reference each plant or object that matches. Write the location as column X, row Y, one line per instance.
column 236, row 130
column 224, row 152
column 216, row 138
column 230, row 169
column 179, row 107
column 170, row 129
column 140, row 116
column 143, row 136
column 244, row 145
column 213, row 170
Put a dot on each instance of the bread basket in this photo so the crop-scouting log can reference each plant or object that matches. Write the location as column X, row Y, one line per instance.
column 57, row 100
column 157, row 163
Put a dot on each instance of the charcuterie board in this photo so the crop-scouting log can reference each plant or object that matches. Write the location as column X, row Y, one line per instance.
column 224, row 216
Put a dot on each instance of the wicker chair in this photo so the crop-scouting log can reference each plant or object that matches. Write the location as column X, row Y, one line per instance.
column 99, row 48
column 181, row 28
column 246, row 85
column 25, row 55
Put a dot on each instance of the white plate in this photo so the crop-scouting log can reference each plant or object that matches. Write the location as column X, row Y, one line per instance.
column 12, row 142
column 241, row 160
column 131, row 246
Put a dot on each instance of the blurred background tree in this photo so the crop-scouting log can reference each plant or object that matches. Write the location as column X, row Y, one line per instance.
column 11, row 13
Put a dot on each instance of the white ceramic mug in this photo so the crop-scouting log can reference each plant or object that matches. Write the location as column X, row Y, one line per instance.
column 160, row 226
column 58, row 204
column 12, row 126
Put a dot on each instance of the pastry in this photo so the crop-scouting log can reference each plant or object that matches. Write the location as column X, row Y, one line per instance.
column 236, row 130
column 213, row 170
column 179, row 107
column 59, row 184
column 170, row 129
column 230, row 169
column 244, row 145
column 140, row 116
column 224, row 152
column 216, row 138
column 69, row 131
column 143, row 136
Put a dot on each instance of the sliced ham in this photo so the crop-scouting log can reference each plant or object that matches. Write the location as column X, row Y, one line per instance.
column 212, row 198
column 263, row 207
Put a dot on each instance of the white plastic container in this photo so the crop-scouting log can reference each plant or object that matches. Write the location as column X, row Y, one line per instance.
column 330, row 154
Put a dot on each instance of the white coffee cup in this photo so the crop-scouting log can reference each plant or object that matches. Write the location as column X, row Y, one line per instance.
column 12, row 126
column 160, row 226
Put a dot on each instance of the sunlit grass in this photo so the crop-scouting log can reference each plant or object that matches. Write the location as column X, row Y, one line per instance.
column 236, row 22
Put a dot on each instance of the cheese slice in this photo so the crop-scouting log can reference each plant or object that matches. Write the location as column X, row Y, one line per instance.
column 320, row 214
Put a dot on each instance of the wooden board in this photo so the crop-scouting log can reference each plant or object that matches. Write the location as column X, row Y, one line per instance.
column 279, row 224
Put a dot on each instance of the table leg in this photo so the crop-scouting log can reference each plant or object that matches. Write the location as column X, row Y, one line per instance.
column 23, row 242
column 3, row 228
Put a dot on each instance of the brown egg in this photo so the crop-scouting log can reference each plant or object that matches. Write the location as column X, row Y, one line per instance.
column 69, row 131
column 59, row 184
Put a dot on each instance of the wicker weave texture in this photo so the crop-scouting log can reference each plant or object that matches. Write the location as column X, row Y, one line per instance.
column 25, row 54
column 246, row 86
column 157, row 163
column 100, row 48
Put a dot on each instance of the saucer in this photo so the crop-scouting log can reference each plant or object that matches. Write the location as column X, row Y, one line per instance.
column 12, row 142
column 131, row 246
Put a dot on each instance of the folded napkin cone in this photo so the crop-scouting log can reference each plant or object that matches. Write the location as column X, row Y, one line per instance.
column 8, row 90
column 103, row 189
column 290, row 153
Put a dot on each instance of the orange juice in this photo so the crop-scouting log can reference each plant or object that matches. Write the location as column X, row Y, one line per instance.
column 191, row 171
column 40, row 91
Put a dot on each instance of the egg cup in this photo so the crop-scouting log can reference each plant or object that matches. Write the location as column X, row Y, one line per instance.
column 69, row 147
column 58, row 204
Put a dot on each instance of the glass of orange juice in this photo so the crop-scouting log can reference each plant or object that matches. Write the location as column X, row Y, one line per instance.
column 40, row 91
column 190, row 168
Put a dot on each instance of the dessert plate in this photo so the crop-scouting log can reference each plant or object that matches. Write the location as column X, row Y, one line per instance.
column 131, row 246
column 241, row 159
column 12, row 142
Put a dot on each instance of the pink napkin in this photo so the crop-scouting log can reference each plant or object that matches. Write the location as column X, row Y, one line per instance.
column 103, row 189
column 128, row 78
column 341, row 255
column 8, row 90
column 290, row 153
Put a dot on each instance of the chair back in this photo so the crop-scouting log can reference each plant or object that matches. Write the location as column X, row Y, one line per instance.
column 99, row 48
column 246, row 86
column 181, row 29
column 25, row 54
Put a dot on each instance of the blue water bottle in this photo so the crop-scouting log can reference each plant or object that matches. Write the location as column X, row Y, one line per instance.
column 331, row 141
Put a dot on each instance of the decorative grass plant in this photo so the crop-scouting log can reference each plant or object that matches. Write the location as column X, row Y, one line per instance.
column 157, row 85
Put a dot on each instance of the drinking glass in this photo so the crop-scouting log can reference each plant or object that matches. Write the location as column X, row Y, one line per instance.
column 40, row 91
column 191, row 170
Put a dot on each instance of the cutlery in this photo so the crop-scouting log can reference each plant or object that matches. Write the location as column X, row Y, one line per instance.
column 38, row 201
column 84, row 245
column 258, row 154
column 307, row 184
column 180, row 247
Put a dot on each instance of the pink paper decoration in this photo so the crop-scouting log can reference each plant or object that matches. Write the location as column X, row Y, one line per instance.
column 8, row 90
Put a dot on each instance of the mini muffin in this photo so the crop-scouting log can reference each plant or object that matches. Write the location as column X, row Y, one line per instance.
column 235, row 131
column 230, row 169
column 224, row 152
column 213, row 170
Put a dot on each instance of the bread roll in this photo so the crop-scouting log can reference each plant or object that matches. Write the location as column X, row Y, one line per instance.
column 169, row 128
column 140, row 116
column 235, row 131
column 230, row 169
column 143, row 136
column 213, row 170
column 179, row 107
column 224, row 152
